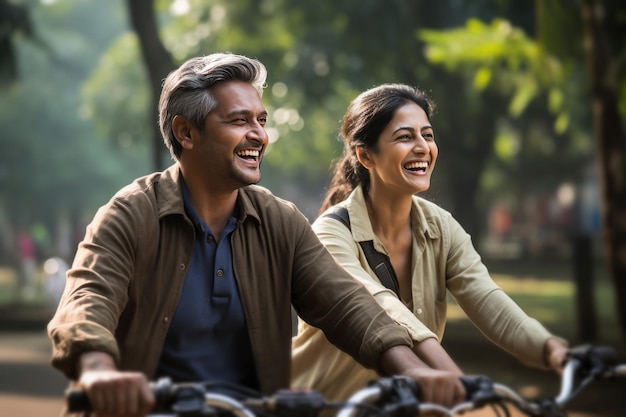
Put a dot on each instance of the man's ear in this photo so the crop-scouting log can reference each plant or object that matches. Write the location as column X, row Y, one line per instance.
column 182, row 129
column 363, row 155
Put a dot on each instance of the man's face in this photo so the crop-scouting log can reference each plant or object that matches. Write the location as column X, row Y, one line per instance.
column 229, row 150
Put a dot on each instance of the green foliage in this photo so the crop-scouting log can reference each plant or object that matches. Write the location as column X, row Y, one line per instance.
column 501, row 57
column 53, row 162
column 510, row 96
column 116, row 96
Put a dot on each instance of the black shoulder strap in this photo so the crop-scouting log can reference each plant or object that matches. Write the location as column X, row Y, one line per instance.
column 340, row 214
column 379, row 262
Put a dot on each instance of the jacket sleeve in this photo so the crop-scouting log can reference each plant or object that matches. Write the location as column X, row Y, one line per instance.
column 327, row 297
column 338, row 240
column 488, row 307
column 96, row 289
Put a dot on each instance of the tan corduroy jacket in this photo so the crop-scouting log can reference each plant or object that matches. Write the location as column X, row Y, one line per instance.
column 128, row 273
column 444, row 260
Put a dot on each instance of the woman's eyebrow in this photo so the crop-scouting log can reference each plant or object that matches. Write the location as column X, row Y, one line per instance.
column 411, row 129
column 404, row 128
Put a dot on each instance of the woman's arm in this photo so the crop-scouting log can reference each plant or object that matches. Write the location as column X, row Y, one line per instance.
column 491, row 310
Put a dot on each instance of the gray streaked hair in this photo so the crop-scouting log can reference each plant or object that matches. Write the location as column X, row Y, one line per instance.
column 186, row 90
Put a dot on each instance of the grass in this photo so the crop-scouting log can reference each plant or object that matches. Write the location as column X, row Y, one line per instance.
column 546, row 291
column 9, row 294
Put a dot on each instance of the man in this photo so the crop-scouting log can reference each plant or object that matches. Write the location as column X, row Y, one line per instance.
column 190, row 273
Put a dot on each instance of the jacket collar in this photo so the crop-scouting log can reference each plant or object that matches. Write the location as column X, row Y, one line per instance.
column 170, row 198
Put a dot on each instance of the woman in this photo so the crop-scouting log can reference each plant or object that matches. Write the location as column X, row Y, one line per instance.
column 389, row 156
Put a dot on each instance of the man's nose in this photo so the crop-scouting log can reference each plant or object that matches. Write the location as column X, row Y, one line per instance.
column 258, row 134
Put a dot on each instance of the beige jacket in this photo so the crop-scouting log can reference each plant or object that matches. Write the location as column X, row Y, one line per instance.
column 444, row 260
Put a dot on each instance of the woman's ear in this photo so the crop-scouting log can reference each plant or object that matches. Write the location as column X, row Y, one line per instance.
column 182, row 129
column 363, row 155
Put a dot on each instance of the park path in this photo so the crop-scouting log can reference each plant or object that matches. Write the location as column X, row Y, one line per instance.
column 29, row 387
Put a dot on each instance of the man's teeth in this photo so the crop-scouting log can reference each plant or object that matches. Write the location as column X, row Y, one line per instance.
column 417, row 165
column 248, row 152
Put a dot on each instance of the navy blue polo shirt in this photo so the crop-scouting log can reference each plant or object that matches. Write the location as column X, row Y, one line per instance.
column 208, row 337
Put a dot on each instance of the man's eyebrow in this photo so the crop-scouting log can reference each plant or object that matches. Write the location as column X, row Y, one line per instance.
column 245, row 112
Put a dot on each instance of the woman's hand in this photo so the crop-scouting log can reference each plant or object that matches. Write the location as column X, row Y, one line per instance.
column 555, row 353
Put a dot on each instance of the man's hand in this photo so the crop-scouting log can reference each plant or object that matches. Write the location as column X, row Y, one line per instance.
column 112, row 392
column 439, row 387
column 436, row 386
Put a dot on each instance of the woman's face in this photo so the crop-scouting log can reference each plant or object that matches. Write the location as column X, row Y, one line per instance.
column 406, row 153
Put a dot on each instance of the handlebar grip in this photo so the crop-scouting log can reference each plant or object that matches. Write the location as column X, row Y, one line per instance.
column 605, row 354
column 77, row 401
column 478, row 388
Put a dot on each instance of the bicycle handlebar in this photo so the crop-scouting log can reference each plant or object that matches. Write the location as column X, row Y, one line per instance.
column 394, row 396
column 584, row 363
column 198, row 399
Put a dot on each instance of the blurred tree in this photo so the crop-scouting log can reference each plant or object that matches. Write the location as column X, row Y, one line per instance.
column 510, row 88
column 54, row 166
column 320, row 56
column 499, row 59
column 14, row 21
column 157, row 62
column 611, row 144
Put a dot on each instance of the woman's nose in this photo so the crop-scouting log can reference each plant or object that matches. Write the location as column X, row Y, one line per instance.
column 420, row 145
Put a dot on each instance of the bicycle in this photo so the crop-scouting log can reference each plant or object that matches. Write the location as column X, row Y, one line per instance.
column 394, row 396
column 398, row 396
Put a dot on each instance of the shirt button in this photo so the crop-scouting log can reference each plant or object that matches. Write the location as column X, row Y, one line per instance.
column 419, row 311
column 181, row 267
column 220, row 272
column 166, row 319
column 210, row 239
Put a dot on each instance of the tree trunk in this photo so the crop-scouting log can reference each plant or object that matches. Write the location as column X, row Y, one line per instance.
column 158, row 62
column 611, row 145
